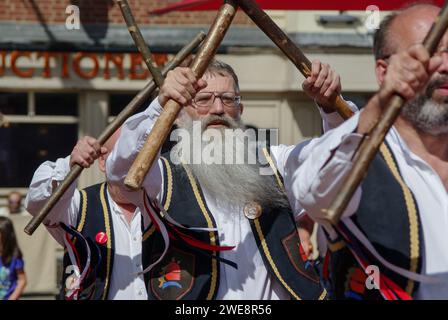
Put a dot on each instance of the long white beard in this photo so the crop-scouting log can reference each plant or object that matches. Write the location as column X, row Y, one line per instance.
column 236, row 182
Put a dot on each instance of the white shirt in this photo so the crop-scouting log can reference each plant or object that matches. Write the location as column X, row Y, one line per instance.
column 252, row 280
column 317, row 181
column 125, row 283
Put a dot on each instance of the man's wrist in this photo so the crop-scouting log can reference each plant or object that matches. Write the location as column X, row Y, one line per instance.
column 325, row 106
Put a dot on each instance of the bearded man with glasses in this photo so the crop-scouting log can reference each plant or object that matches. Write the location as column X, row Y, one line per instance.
column 218, row 228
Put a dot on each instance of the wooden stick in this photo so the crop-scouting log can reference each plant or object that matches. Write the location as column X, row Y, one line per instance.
column 140, row 42
column 162, row 127
column 285, row 44
column 370, row 146
column 130, row 109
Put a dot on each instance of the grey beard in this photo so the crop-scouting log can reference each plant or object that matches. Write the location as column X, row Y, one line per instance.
column 235, row 184
column 239, row 184
column 425, row 113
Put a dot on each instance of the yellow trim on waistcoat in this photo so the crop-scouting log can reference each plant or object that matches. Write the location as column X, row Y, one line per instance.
column 149, row 232
column 214, row 275
column 82, row 220
column 273, row 167
column 336, row 246
column 109, row 238
column 169, row 188
column 412, row 214
column 263, row 240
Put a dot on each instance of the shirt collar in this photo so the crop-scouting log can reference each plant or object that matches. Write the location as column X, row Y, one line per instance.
column 411, row 158
column 115, row 208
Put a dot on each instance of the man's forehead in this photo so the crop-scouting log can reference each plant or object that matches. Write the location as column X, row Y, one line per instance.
column 216, row 75
column 15, row 196
column 218, row 79
column 412, row 25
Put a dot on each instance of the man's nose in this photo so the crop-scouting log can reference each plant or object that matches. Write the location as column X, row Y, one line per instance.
column 217, row 106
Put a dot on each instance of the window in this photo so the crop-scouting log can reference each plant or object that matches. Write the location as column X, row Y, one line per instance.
column 56, row 104
column 35, row 127
column 13, row 103
column 119, row 101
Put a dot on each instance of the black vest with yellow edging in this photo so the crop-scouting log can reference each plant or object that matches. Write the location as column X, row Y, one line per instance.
column 94, row 219
column 388, row 216
column 186, row 273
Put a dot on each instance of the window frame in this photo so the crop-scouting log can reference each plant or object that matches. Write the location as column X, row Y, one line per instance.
column 32, row 118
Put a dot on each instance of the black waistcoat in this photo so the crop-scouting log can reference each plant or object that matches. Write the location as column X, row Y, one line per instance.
column 185, row 273
column 388, row 216
column 94, row 218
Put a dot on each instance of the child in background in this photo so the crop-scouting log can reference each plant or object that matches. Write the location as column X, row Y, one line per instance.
column 12, row 274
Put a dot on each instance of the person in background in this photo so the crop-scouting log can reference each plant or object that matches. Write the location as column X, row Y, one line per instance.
column 14, row 205
column 103, row 217
column 12, row 274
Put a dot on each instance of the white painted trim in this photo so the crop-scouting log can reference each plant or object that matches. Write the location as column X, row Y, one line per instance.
column 41, row 119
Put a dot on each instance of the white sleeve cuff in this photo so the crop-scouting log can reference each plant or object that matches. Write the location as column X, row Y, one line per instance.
column 61, row 169
column 333, row 119
column 154, row 110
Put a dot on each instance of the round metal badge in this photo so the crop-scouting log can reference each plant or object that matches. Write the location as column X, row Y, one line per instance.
column 252, row 210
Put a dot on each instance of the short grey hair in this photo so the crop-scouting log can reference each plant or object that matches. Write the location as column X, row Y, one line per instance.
column 224, row 69
column 382, row 46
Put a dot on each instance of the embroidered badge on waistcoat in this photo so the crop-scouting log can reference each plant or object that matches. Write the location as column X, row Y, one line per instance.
column 173, row 277
column 355, row 285
column 292, row 246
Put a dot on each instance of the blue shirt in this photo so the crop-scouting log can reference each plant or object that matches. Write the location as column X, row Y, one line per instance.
column 8, row 277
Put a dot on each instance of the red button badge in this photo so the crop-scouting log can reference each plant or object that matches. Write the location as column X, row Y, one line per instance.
column 101, row 238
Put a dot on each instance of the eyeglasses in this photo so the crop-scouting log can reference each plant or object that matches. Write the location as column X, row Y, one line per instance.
column 207, row 99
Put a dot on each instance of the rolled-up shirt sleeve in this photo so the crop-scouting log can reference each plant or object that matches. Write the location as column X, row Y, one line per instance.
column 288, row 158
column 280, row 155
column 316, row 172
column 333, row 120
column 134, row 133
column 46, row 178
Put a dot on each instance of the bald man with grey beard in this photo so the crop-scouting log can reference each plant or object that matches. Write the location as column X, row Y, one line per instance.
column 398, row 217
column 217, row 227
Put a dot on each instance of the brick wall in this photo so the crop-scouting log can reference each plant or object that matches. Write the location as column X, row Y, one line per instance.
column 102, row 11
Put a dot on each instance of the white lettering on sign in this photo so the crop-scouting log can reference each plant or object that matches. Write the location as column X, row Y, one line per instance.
column 73, row 21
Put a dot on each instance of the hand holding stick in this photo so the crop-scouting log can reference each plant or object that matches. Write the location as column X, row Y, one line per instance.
column 162, row 127
column 285, row 44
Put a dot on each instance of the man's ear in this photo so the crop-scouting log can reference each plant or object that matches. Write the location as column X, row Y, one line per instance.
column 241, row 108
column 380, row 70
column 102, row 163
